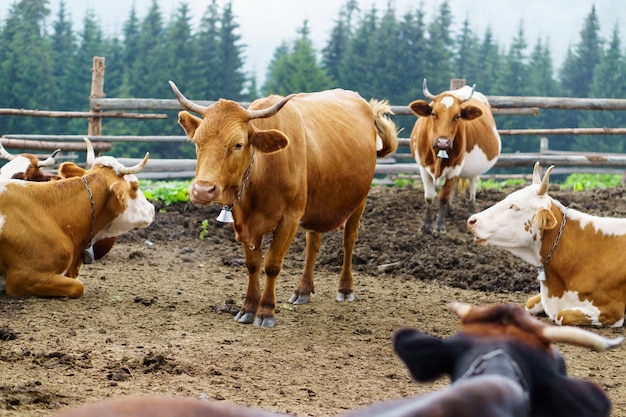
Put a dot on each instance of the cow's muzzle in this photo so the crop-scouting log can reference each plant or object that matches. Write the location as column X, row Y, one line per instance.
column 202, row 192
column 442, row 144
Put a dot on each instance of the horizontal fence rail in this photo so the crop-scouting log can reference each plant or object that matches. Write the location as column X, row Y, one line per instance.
column 399, row 162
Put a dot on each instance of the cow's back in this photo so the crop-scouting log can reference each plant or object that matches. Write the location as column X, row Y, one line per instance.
column 331, row 158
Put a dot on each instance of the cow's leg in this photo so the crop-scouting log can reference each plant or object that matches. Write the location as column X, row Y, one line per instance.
column 444, row 204
column 430, row 192
column 350, row 233
column 473, row 186
column 306, row 286
column 281, row 240
column 254, row 257
column 534, row 305
column 588, row 316
column 29, row 283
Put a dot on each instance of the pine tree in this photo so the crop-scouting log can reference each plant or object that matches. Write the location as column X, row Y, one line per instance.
column 205, row 60
column 466, row 64
column 440, row 50
column 609, row 81
column 27, row 78
column 295, row 69
column 490, row 62
column 232, row 78
column 355, row 71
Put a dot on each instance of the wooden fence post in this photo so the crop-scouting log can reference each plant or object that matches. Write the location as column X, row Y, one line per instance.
column 456, row 83
column 97, row 91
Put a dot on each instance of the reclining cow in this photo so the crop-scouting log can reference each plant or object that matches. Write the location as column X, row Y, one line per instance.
column 46, row 226
column 302, row 162
column 579, row 257
column 26, row 166
column 502, row 364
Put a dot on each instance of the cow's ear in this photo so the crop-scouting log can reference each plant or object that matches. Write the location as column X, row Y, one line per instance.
column 420, row 108
column 269, row 141
column 189, row 122
column 70, row 169
column 426, row 357
column 544, row 219
column 471, row 112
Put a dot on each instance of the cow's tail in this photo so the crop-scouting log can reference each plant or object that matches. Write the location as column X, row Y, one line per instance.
column 386, row 130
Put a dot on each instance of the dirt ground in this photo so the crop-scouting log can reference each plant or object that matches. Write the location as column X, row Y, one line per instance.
column 157, row 315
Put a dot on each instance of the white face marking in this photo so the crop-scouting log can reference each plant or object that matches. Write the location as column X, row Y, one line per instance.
column 447, row 101
column 18, row 165
column 139, row 213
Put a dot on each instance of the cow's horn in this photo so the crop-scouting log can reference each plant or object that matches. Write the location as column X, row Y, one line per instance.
column 91, row 154
column 470, row 94
column 185, row 102
column 580, row 337
column 545, row 182
column 49, row 160
column 270, row 111
column 427, row 93
column 537, row 173
column 5, row 154
column 136, row 168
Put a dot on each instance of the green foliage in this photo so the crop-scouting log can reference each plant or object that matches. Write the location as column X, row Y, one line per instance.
column 580, row 182
column 499, row 184
column 204, row 229
column 167, row 191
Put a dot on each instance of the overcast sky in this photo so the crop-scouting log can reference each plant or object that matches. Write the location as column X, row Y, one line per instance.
column 264, row 24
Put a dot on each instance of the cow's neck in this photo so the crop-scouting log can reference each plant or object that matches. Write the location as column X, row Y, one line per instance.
column 550, row 244
column 88, row 255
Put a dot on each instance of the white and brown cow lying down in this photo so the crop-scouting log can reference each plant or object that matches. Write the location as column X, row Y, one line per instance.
column 26, row 166
column 501, row 364
column 302, row 162
column 454, row 137
column 46, row 226
column 579, row 257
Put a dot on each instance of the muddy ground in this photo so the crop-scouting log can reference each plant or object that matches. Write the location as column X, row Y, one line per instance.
column 157, row 315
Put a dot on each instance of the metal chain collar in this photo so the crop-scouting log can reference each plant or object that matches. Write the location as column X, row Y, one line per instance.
column 88, row 256
column 541, row 271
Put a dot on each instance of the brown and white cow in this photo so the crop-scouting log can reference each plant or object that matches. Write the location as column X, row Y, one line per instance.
column 305, row 161
column 579, row 257
column 26, row 166
column 454, row 137
column 46, row 226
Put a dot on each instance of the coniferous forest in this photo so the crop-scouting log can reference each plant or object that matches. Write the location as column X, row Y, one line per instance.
column 380, row 53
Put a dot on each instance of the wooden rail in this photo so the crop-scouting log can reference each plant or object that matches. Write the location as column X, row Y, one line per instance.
column 400, row 162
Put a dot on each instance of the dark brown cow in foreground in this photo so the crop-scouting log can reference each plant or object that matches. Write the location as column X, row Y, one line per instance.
column 454, row 137
column 501, row 363
column 305, row 161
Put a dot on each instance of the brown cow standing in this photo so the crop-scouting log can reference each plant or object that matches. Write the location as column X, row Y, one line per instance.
column 454, row 137
column 305, row 161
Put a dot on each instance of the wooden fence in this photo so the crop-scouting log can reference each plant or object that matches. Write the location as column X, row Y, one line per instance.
column 398, row 163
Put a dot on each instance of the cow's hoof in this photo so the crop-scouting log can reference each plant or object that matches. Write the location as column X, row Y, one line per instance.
column 345, row 297
column 244, row 318
column 299, row 299
column 266, row 322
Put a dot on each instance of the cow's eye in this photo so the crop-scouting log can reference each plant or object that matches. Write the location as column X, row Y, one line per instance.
column 456, row 118
column 514, row 207
column 433, row 115
column 239, row 146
